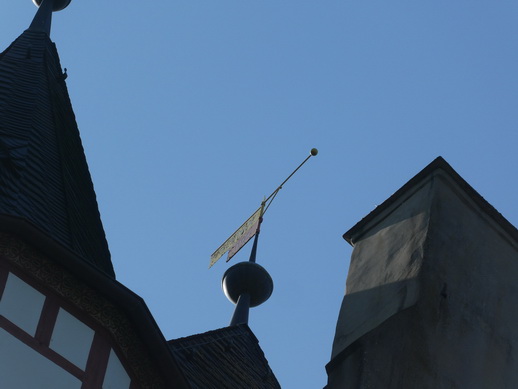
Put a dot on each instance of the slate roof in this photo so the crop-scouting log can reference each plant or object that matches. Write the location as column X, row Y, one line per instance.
column 227, row 358
column 44, row 177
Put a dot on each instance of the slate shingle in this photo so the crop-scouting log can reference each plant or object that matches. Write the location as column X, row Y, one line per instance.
column 44, row 177
column 227, row 358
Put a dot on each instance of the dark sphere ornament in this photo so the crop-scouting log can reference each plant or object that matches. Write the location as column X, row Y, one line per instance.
column 247, row 278
column 57, row 5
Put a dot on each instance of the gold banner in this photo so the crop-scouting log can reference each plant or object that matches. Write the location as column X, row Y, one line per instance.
column 235, row 237
column 249, row 234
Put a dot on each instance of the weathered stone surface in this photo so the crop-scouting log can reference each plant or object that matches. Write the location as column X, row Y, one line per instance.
column 431, row 293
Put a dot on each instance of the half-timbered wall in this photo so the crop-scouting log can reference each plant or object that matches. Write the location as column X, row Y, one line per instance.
column 44, row 345
column 57, row 332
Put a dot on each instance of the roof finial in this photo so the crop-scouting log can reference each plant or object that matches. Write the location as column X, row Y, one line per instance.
column 43, row 18
column 247, row 285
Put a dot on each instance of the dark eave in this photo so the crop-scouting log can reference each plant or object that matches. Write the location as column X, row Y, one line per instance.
column 438, row 164
column 130, row 303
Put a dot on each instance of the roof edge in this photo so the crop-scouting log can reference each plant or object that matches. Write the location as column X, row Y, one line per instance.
column 239, row 327
column 438, row 163
column 131, row 304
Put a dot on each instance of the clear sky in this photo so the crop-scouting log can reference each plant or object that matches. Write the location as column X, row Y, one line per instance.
column 192, row 111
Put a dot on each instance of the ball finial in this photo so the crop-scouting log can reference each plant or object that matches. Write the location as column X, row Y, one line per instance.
column 57, row 5
column 314, row 152
column 247, row 278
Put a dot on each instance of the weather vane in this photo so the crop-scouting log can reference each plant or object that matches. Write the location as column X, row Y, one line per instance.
column 251, row 227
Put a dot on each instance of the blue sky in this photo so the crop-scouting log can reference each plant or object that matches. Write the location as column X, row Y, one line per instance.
column 192, row 111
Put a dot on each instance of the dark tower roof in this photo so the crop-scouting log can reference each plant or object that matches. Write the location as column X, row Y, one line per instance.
column 224, row 359
column 45, row 185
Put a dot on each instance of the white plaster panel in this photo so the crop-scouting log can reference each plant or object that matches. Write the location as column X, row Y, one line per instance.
column 116, row 376
column 72, row 339
column 21, row 304
column 23, row 368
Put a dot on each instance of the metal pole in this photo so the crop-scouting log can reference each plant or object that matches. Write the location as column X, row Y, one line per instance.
column 312, row 154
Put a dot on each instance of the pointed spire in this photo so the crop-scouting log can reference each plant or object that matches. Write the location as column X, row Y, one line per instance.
column 45, row 187
column 43, row 19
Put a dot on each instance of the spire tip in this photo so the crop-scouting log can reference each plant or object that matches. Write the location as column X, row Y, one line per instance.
column 57, row 5
column 43, row 18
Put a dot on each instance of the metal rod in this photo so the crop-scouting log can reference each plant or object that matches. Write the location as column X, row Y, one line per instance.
column 43, row 18
column 253, row 253
column 313, row 153
column 241, row 311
